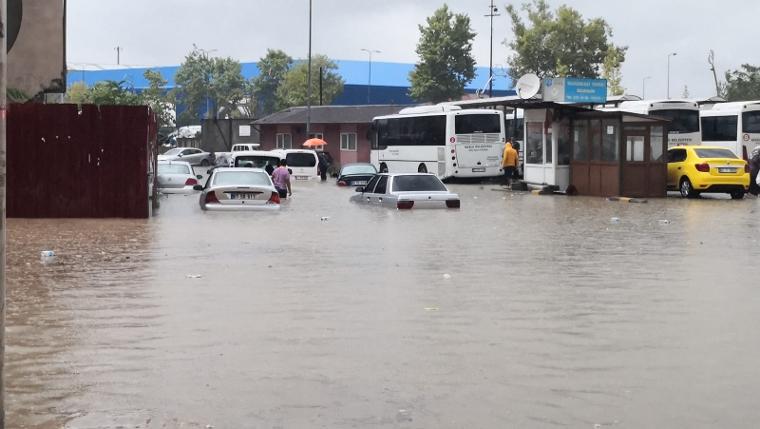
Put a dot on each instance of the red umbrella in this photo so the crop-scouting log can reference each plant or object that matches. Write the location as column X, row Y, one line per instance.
column 311, row 143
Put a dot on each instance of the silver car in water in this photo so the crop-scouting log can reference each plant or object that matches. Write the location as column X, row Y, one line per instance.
column 232, row 189
column 191, row 155
column 406, row 191
column 176, row 177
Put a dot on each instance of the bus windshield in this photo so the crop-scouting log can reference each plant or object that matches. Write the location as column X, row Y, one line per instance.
column 751, row 122
column 470, row 124
column 682, row 121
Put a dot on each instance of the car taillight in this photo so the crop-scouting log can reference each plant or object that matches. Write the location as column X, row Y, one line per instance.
column 274, row 198
column 211, row 198
column 704, row 167
column 404, row 205
column 191, row 182
column 342, row 183
column 744, row 153
column 452, row 204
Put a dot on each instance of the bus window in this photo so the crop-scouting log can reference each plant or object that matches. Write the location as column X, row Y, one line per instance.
column 471, row 124
column 682, row 121
column 719, row 128
column 751, row 122
column 511, row 133
column 413, row 131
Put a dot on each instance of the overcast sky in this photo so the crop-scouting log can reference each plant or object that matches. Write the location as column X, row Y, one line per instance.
column 161, row 32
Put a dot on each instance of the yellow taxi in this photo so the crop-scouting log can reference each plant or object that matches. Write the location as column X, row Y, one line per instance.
column 696, row 169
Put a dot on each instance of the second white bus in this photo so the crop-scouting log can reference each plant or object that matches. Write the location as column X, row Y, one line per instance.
column 734, row 125
column 683, row 128
column 445, row 140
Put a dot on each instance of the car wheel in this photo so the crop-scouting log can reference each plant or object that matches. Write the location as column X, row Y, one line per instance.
column 422, row 169
column 383, row 168
column 737, row 194
column 686, row 189
column 205, row 163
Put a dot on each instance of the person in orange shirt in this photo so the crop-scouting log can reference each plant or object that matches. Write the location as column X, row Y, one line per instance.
column 509, row 163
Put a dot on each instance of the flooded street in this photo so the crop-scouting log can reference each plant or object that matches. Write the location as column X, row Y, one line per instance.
column 516, row 311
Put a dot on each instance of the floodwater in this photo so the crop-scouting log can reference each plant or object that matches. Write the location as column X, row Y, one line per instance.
column 516, row 311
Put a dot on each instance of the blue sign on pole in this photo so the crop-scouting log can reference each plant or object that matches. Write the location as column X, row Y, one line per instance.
column 579, row 90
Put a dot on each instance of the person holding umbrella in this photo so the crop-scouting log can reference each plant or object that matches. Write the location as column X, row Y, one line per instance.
column 319, row 146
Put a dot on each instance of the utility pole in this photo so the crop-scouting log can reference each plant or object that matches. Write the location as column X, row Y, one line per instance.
column 308, row 87
column 3, row 115
column 711, row 61
column 118, row 55
column 672, row 54
column 644, row 87
column 369, row 74
column 493, row 11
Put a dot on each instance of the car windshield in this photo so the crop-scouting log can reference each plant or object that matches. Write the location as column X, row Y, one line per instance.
column 256, row 161
column 173, row 169
column 417, row 183
column 715, row 153
column 301, row 159
column 174, row 151
column 358, row 169
column 256, row 178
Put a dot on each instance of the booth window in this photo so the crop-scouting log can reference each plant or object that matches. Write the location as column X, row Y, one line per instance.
column 610, row 141
column 655, row 144
column 580, row 142
column 596, row 139
column 534, row 145
column 634, row 148
column 563, row 144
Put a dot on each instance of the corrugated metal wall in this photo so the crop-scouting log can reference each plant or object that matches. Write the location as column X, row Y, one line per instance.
column 68, row 161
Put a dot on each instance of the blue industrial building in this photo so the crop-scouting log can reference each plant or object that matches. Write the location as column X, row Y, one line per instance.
column 390, row 81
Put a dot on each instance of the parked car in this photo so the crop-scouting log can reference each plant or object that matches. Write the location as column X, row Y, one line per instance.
column 357, row 174
column 256, row 159
column 405, row 191
column 191, row 155
column 230, row 188
column 245, row 146
column 176, row 177
column 696, row 169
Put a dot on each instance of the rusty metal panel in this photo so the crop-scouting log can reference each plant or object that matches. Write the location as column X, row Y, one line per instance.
column 68, row 161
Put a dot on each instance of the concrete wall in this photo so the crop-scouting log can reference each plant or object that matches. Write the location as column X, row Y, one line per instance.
column 215, row 134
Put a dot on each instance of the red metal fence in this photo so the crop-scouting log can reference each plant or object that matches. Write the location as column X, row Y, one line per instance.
column 68, row 161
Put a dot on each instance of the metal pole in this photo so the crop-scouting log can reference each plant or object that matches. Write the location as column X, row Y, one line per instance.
column 320, row 86
column 644, row 87
column 308, row 87
column 369, row 77
column 491, row 14
column 668, row 86
column 118, row 55
column 3, row 116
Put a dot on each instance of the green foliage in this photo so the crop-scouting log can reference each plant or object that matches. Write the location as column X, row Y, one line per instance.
column 110, row 92
column 272, row 70
column 561, row 43
column 15, row 95
column 156, row 97
column 742, row 84
column 77, row 93
column 293, row 88
column 611, row 70
column 202, row 81
column 446, row 64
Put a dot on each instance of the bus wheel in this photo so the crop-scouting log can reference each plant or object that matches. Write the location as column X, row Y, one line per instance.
column 422, row 168
column 383, row 168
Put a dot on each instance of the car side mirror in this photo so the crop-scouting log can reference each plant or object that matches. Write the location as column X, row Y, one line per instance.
column 360, row 189
column 198, row 187
column 199, row 177
column 209, row 171
column 179, row 155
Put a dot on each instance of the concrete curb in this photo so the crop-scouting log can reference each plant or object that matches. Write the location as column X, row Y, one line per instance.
column 627, row 200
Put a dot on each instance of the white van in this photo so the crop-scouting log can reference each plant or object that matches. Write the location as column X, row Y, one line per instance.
column 245, row 147
column 302, row 162
column 256, row 159
column 735, row 126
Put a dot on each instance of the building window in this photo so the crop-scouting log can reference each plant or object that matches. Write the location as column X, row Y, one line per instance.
column 348, row 141
column 317, row 136
column 284, row 141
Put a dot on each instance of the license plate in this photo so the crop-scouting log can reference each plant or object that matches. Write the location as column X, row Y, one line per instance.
column 360, row 182
column 479, row 170
column 242, row 196
column 302, row 177
column 726, row 170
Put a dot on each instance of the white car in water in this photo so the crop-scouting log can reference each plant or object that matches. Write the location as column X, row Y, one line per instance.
column 191, row 155
column 406, row 191
column 176, row 177
column 229, row 189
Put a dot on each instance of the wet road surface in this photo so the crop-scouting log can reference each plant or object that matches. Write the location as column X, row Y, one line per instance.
column 516, row 311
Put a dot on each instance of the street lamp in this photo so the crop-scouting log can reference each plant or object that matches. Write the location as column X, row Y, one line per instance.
column 308, row 86
column 644, row 87
column 672, row 54
column 491, row 13
column 369, row 77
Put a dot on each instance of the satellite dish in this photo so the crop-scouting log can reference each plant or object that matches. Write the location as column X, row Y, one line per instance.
column 528, row 86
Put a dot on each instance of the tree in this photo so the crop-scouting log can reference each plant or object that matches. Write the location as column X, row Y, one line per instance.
column 294, row 86
column 156, row 97
column 561, row 44
column 272, row 70
column 446, row 63
column 208, row 84
column 77, row 93
column 110, row 92
column 611, row 70
column 743, row 84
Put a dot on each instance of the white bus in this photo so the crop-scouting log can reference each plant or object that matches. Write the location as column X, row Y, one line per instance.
column 442, row 139
column 683, row 128
column 734, row 125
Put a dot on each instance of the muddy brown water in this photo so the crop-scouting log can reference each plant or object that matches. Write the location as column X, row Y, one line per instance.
column 516, row 311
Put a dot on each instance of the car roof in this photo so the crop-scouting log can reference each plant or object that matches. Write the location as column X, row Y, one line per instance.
column 238, row 169
column 174, row 162
column 407, row 174
column 698, row 146
column 257, row 152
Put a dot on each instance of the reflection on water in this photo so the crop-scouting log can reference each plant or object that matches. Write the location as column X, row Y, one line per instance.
column 516, row 310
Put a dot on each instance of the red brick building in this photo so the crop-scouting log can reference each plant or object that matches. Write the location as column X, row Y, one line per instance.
column 344, row 128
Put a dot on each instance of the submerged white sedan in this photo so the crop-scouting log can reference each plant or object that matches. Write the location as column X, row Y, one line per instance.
column 406, row 191
column 230, row 189
column 176, row 177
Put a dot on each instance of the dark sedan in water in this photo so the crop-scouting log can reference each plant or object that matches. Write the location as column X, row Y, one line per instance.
column 357, row 174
